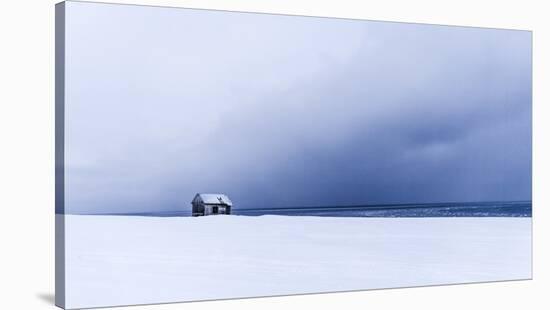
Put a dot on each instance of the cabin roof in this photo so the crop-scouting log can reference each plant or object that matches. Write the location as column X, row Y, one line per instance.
column 213, row 199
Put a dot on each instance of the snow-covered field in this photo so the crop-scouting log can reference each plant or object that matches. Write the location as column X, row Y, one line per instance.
column 120, row 260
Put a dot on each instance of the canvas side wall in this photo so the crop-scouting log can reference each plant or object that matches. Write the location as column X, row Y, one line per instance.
column 60, row 154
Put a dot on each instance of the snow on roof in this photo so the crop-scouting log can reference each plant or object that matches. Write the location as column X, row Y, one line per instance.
column 213, row 199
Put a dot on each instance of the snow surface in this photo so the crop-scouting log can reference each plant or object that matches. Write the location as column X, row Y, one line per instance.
column 121, row 260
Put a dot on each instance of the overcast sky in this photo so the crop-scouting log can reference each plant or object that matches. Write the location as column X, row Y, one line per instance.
column 275, row 111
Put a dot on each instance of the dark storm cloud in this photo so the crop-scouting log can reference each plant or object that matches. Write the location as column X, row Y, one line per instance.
column 289, row 111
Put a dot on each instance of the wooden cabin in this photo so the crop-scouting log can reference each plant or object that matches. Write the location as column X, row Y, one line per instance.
column 211, row 204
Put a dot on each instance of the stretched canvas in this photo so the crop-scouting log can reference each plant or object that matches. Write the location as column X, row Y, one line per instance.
column 206, row 154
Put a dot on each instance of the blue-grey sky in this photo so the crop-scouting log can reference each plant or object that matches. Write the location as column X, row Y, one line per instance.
column 162, row 103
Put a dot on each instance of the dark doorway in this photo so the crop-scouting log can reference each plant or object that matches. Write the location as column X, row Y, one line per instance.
column 214, row 210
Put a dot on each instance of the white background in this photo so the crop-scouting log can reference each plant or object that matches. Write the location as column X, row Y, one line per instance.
column 27, row 152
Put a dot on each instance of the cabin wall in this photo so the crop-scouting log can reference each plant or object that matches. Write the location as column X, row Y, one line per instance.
column 201, row 209
column 197, row 209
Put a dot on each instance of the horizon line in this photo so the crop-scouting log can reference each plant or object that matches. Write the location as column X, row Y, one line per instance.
column 420, row 204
